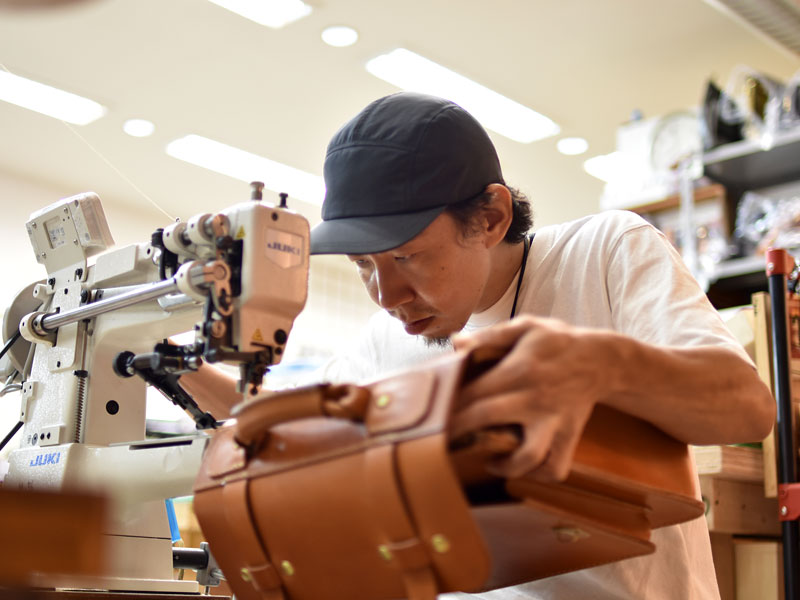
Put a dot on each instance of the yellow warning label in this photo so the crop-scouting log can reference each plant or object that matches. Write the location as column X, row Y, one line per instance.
column 240, row 232
column 257, row 336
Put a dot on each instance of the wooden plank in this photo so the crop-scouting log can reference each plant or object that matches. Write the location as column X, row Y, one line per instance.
column 50, row 533
column 763, row 360
column 724, row 564
column 759, row 569
column 738, row 507
column 741, row 463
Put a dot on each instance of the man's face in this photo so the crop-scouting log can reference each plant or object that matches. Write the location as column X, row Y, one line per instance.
column 432, row 283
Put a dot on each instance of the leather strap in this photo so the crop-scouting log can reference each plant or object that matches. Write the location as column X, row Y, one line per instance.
column 260, row 572
column 254, row 419
column 389, row 512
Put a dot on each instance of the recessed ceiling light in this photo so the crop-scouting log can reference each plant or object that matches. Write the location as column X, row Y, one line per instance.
column 245, row 166
column 340, row 36
column 48, row 100
column 572, row 145
column 272, row 13
column 138, row 127
column 410, row 71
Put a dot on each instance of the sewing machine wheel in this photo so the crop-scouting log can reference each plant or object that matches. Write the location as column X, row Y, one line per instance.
column 23, row 303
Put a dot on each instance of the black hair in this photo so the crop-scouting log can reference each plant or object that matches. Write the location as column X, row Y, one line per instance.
column 464, row 213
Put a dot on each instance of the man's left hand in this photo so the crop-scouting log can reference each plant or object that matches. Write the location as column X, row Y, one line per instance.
column 548, row 382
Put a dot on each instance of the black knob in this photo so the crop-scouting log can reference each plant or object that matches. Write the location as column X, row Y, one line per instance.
column 122, row 364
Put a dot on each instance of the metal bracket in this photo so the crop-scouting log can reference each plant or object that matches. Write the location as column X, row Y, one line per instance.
column 788, row 501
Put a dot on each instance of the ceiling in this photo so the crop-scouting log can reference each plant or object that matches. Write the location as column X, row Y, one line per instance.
column 192, row 67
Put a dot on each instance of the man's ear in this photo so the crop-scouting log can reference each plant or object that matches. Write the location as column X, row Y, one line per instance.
column 498, row 214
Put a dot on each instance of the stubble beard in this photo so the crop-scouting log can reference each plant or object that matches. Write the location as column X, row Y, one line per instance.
column 442, row 342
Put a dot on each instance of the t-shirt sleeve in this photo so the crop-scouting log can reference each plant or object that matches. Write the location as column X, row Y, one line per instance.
column 654, row 297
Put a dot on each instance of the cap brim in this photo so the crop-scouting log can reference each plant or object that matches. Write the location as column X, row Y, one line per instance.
column 372, row 234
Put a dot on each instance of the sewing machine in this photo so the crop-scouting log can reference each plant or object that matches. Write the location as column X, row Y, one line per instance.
column 94, row 338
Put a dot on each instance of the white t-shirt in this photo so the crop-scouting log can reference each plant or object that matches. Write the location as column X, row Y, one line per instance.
column 609, row 271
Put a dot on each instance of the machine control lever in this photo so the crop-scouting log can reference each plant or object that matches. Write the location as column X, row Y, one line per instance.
column 162, row 369
column 200, row 560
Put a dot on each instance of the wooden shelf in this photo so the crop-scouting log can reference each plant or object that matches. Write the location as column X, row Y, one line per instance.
column 740, row 463
column 739, row 507
column 701, row 194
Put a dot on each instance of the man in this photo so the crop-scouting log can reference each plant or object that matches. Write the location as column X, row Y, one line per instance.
column 604, row 312
column 599, row 310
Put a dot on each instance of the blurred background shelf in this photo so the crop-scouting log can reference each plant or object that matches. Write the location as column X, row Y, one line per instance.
column 746, row 165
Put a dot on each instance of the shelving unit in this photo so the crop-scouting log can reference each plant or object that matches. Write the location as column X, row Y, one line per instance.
column 740, row 167
column 743, row 166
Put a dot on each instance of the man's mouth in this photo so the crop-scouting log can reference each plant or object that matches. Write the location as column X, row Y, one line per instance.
column 418, row 326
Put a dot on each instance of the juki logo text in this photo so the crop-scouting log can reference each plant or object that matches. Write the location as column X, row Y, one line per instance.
column 41, row 460
column 280, row 247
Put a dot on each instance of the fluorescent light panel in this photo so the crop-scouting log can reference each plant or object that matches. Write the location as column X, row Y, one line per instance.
column 272, row 13
column 245, row 166
column 412, row 72
column 48, row 100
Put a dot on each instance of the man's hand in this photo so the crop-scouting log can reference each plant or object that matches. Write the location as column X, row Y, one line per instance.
column 548, row 382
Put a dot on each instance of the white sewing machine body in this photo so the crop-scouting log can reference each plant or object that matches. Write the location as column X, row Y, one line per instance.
column 240, row 279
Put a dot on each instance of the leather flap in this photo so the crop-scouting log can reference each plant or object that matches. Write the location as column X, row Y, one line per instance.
column 531, row 540
column 400, row 402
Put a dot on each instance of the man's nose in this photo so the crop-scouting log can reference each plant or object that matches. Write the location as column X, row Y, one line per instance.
column 391, row 288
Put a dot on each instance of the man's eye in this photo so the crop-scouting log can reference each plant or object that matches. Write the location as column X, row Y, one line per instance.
column 361, row 263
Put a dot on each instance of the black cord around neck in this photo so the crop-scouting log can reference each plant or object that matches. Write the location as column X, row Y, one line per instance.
column 528, row 242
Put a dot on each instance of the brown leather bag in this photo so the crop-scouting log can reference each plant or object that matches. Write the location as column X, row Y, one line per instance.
column 348, row 493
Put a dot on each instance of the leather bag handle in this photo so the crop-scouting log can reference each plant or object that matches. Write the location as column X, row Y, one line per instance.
column 254, row 419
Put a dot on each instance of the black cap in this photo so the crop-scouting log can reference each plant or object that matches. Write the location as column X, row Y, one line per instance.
column 395, row 167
